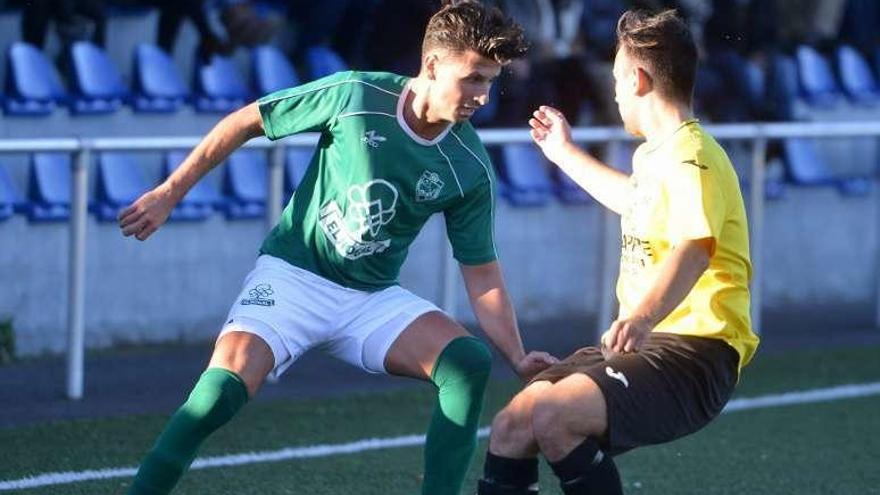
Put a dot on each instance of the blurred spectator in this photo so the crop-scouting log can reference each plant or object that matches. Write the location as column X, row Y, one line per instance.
column 75, row 20
column 343, row 25
column 554, row 72
column 859, row 25
column 242, row 25
column 394, row 38
column 809, row 21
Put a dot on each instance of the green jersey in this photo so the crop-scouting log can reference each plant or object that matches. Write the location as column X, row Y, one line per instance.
column 373, row 182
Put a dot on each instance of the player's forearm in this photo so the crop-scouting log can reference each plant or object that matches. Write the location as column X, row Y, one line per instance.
column 609, row 186
column 229, row 134
column 491, row 303
column 495, row 314
column 677, row 277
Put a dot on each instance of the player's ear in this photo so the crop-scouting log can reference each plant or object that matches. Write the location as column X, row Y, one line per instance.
column 430, row 64
column 643, row 81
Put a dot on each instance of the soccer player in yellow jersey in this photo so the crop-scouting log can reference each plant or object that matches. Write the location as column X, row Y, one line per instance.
column 669, row 363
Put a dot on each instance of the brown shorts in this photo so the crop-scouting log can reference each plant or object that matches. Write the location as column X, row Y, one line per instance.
column 673, row 386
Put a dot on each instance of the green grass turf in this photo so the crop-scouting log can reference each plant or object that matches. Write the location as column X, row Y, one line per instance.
column 807, row 449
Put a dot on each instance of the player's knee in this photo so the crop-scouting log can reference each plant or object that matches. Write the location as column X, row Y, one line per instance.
column 465, row 359
column 216, row 398
column 548, row 419
column 552, row 421
column 511, row 425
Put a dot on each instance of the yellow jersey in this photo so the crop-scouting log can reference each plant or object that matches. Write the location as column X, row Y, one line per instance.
column 684, row 188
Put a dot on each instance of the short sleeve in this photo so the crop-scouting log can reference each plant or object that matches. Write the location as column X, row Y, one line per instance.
column 305, row 108
column 470, row 226
column 696, row 205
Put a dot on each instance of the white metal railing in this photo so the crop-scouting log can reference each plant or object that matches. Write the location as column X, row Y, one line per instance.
column 82, row 148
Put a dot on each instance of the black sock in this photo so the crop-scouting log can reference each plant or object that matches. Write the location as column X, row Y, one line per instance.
column 506, row 476
column 587, row 470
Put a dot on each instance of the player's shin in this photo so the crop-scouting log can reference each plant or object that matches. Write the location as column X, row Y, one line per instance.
column 587, row 470
column 460, row 374
column 214, row 400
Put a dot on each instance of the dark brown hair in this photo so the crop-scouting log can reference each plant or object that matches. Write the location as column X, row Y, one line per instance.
column 469, row 25
column 663, row 44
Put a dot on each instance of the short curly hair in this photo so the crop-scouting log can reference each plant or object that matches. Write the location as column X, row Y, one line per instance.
column 469, row 25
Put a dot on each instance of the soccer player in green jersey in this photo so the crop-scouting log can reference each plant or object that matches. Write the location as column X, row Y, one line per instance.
column 392, row 152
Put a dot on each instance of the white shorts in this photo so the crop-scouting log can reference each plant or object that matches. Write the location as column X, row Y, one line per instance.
column 294, row 310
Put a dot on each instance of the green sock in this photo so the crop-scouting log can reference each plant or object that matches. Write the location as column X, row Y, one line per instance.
column 215, row 399
column 460, row 374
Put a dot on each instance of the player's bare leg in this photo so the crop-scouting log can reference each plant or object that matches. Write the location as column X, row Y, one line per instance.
column 436, row 348
column 246, row 355
column 567, row 413
column 569, row 420
column 511, row 466
column 512, row 433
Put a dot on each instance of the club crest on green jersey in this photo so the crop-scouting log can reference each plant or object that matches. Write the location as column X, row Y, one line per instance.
column 370, row 207
column 428, row 186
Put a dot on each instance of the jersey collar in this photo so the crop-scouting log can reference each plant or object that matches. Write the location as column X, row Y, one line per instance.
column 401, row 101
column 661, row 141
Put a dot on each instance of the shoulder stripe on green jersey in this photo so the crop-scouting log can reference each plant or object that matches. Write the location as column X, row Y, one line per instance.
column 491, row 185
column 451, row 169
column 321, row 88
column 352, row 114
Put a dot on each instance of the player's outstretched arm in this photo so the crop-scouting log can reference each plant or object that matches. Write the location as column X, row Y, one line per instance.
column 491, row 302
column 149, row 212
column 678, row 275
column 552, row 133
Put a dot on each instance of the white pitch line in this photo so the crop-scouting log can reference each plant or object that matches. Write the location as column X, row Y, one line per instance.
column 60, row 478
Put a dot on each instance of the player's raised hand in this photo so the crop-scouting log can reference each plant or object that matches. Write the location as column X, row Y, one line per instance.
column 147, row 214
column 625, row 335
column 551, row 132
column 534, row 363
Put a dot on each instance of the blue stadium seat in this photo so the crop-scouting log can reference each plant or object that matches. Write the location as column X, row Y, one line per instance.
column 525, row 172
column 782, row 87
column 97, row 84
column 756, row 82
column 11, row 200
column 805, row 167
column 272, row 71
column 158, row 85
column 245, row 184
column 32, row 84
column 322, row 61
column 120, row 182
column 817, row 79
column 856, row 77
column 200, row 201
column 296, row 162
column 49, row 187
column 219, row 86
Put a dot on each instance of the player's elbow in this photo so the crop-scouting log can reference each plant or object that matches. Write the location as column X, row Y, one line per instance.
column 699, row 253
column 247, row 121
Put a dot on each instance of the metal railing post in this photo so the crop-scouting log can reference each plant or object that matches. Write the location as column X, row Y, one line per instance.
column 756, row 227
column 77, row 273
